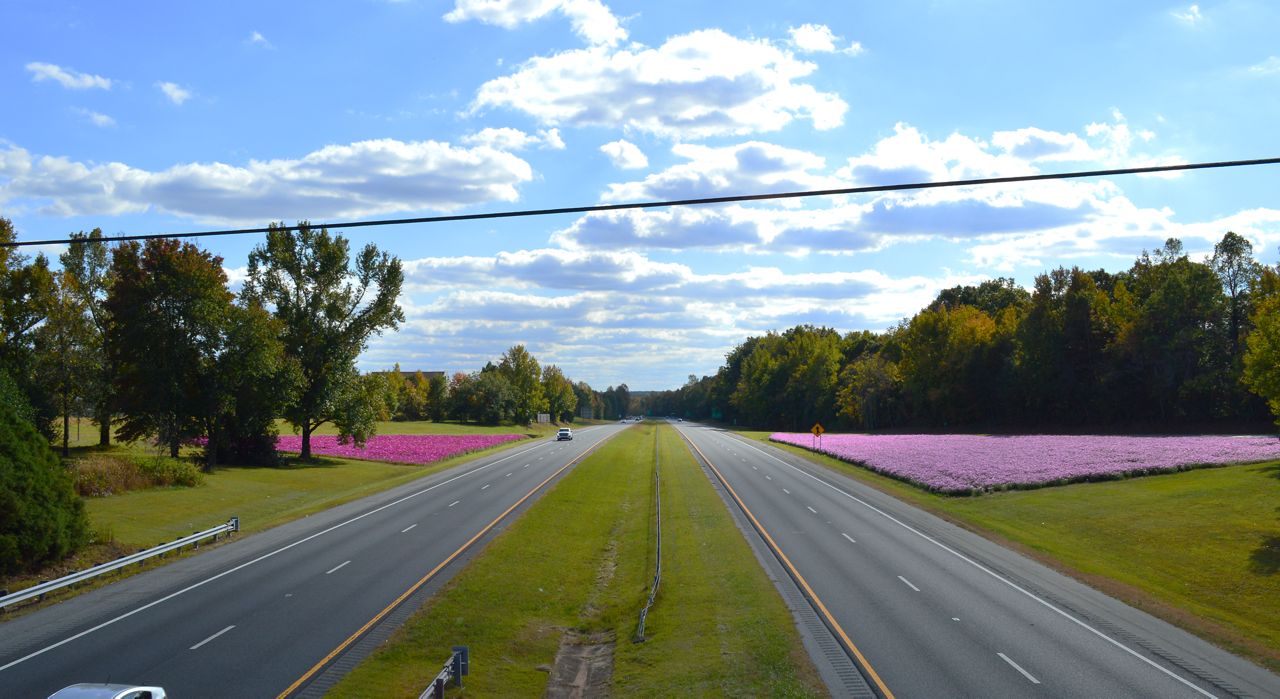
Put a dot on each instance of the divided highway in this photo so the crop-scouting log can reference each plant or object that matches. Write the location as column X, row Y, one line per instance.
column 937, row 611
column 258, row 616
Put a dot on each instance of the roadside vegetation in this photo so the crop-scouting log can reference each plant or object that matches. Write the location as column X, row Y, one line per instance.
column 1200, row 549
column 577, row 567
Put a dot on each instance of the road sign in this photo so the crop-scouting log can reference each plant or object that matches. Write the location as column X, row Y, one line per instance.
column 817, row 429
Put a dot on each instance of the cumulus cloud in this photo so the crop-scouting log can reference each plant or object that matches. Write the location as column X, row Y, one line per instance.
column 1190, row 16
column 982, row 216
column 175, row 92
column 591, row 19
column 1271, row 66
column 70, row 79
column 338, row 181
column 818, row 38
column 509, row 139
column 96, row 118
column 257, row 39
column 694, row 86
column 625, row 154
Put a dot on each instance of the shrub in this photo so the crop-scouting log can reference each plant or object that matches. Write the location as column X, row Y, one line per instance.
column 99, row 475
column 41, row 517
column 162, row 470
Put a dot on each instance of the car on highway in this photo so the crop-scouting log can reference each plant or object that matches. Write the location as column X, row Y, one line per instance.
column 108, row 691
column 564, row 433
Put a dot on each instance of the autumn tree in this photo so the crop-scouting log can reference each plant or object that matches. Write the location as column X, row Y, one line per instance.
column 328, row 310
column 561, row 400
column 87, row 267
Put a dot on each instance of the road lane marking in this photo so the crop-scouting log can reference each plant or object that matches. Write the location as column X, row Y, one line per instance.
column 753, row 468
column 795, row 573
column 988, row 571
column 908, row 582
column 769, row 477
column 1018, row 668
column 848, row 537
column 486, row 485
column 455, row 502
column 788, row 492
column 336, row 568
column 430, row 574
column 811, row 509
column 263, row 557
column 411, row 526
column 213, row 637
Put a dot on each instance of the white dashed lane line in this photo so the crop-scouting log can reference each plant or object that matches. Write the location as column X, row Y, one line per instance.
column 486, row 485
column 769, row 477
column 336, row 568
column 508, row 475
column 908, row 583
column 455, row 502
column 1018, row 668
column 196, row 646
column 411, row 526
column 788, row 492
column 851, row 539
column 811, row 509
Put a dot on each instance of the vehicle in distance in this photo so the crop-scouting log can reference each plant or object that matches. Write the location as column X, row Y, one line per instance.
column 564, row 433
column 108, row 691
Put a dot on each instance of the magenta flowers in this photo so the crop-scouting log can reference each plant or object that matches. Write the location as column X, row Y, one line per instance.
column 961, row 463
column 403, row 448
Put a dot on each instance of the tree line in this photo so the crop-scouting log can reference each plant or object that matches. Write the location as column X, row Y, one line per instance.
column 1168, row 344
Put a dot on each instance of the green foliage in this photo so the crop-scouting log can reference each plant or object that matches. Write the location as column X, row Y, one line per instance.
column 1262, row 359
column 328, row 312
column 41, row 517
column 561, row 399
column 524, row 376
column 27, row 291
column 88, row 278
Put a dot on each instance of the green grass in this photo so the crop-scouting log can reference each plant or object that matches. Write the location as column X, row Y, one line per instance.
column 1200, row 548
column 581, row 561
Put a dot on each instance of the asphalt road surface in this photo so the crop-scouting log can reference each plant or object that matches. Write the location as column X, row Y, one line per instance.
column 937, row 611
column 256, row 615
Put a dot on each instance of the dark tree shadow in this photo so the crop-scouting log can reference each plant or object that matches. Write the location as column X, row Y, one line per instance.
column 1265, row 560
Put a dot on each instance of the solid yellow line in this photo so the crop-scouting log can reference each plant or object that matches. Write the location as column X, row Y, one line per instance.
column 799, row 578
column 352, row 638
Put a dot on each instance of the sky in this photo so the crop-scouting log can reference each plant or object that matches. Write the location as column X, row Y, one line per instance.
column 144, row 117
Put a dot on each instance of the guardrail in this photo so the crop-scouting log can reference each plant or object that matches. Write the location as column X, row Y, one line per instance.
column 455, row 667
column 657, row 573
column 232, row 525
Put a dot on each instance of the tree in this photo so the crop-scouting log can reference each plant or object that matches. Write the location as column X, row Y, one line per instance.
column 256, row 380
column 88, row 267
column 1262, row 357
column 170, row 310
column 1233, row 262
column 41, row 517
column 437, row 399
column 522, row 372
column 559, row 392
column 64, row 352
column 328, row 311
column 26, row 296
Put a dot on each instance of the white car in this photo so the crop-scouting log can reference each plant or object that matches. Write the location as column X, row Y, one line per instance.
column 108, row 691
column 564, row 433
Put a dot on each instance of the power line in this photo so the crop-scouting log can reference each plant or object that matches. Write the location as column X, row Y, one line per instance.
column 681, row 202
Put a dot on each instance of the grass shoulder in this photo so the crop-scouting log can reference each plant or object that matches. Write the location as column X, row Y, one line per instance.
column 1200, row 549
column 578, row 565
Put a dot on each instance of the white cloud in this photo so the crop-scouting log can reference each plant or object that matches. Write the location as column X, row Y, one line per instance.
column 818, row 38
column 694, row 86
column 1271, row 66
column 1189, row 16
column 70, row 79
column 625, row 154
column 96, row 118
column 339, row 181
column 509, row 139
column 175, row 92
column 257, row 39
column 591, row 19
column 754, row 167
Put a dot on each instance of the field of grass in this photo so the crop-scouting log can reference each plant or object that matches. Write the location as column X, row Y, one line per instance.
column 580, row 562
column 1200, row 548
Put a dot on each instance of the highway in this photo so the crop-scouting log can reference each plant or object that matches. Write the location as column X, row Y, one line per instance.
column 263, row 614
column 937, row 611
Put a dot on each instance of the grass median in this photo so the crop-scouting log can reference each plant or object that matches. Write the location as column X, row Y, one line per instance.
column 578, row 565
column 1200, row 549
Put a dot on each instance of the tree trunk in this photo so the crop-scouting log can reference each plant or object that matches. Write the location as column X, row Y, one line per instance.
column 173, row 447
column 104, row 424
column 66, row 433
column 306, row 441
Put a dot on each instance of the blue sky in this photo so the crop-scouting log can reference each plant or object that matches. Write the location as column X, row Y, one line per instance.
column 144, row 117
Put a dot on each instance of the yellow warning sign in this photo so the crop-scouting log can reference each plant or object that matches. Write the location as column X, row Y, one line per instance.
column 817, row 429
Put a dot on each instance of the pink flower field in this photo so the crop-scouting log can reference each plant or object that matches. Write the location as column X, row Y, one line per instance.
column 402, row 448
column 960, row 463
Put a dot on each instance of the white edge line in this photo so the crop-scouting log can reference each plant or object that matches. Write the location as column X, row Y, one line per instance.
column 212, row 637
column 263, row 557
column 986, row 570
column 336, row 568
column 908, row 582
column 1018, row 668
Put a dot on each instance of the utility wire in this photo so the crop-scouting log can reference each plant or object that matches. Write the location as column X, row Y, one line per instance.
column 680, row 202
